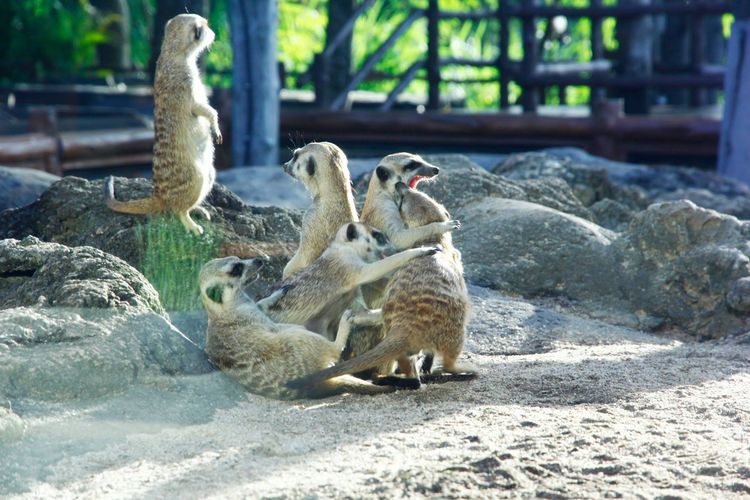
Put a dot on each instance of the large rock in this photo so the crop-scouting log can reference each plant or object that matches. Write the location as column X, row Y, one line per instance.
column 72, row 212
column 677, row 265
column 525, row 248
column 21, row 186
column 58, row 353
column 690, row 266
column 77, row 322
column 49, row 274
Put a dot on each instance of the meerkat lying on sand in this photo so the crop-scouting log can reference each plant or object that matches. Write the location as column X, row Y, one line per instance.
column 184, row 122
column 322, row 168
column 318, row 295
column 426, row 303
column 257, row 352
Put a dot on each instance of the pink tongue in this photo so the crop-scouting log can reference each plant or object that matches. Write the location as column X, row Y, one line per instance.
column 414, row 180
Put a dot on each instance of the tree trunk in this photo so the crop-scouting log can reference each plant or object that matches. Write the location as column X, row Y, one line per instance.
column 115, row 52
column 635, row 58
column 340, row 65
column 255, row 82
column 166, row 10
column 734, row 146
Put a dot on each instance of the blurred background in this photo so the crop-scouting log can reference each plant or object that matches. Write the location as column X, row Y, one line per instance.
column 637, row 80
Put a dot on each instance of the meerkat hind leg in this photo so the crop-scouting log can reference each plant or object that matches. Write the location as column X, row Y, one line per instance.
column 201, row 210
column 410, row 378
column 189, row 224
column 450, row 372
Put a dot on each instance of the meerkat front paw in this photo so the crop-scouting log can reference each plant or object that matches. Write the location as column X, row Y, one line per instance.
column 216, row 133
column 431, row 250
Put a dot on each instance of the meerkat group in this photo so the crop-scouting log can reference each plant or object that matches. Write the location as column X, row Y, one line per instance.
column 424, row 304
column 395, row 276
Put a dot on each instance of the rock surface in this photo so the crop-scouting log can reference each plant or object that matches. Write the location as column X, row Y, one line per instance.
column 33, row 272
column 72, row 213
column 677, row 265
column 21, row 186
column 77, row 322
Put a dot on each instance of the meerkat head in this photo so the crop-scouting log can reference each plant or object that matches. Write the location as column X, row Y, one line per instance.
column 222, row 281
column 402, row 167
column 418, row 209
column 187, row 34
column 321, row 167
column 368, row 243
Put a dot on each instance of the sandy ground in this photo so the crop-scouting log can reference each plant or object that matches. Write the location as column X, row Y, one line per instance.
column 565, row 407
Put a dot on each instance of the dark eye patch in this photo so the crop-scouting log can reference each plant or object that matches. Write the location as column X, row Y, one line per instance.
column 198, row 32
column 412, row 165
column 351, row 232
column 382, row 173
column 295, row 155
column 311, row 166
column 214, row 293
column 237, row 270
column 380, row 238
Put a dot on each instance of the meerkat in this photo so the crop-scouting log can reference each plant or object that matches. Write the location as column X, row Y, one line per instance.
column 322, row 168
column 259, row 353
column 381, row 212
column 185, row 125
column 317, row 296
column 426, row 303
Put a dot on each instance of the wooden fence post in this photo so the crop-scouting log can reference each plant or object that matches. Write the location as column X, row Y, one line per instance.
column 433, row 55
column 255, row 83
column 530, row 95
column 734, row 146
column 636, row 43
column 43, row 120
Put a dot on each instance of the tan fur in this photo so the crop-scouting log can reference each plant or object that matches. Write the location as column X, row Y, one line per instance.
column 184, row 124
column 426, row 303
column 381, row 212
column 333, row 204
column 317, row 296
column 257, row 352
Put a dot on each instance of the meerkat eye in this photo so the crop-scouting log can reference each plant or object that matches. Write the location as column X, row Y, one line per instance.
column 237, row 270
column 351, row 232
column 214, row 293
column 380, row 238
column 198, row 32
column 412, row 165
column 382, row 173
column 311, row 166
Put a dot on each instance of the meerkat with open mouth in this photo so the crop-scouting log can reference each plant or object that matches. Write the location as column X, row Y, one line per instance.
column 426, row 305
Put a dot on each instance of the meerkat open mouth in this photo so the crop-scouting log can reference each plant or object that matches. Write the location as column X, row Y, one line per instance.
column 415, row 180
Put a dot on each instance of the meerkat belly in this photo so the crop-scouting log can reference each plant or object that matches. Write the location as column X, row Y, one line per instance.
column 427, row 301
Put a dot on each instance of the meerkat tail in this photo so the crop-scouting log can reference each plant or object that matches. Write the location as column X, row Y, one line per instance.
column 347, row 384
column 140, row 206
column 389, row 349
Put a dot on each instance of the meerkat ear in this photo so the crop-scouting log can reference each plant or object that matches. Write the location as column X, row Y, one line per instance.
column 214, row 293
column 351, row 232
column 311, row 166
column 382, row 173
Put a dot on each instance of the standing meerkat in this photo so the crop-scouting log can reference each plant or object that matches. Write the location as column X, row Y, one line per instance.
column 381, row 211
column 257, row 352
column 322, row 168
column 426, row 304
column 185, row 125
column 318, row 295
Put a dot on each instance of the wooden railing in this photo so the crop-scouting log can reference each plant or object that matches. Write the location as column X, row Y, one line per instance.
column 531, row 73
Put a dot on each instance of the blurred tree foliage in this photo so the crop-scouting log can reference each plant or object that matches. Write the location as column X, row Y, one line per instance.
column 48, row 39
column 58, row 37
